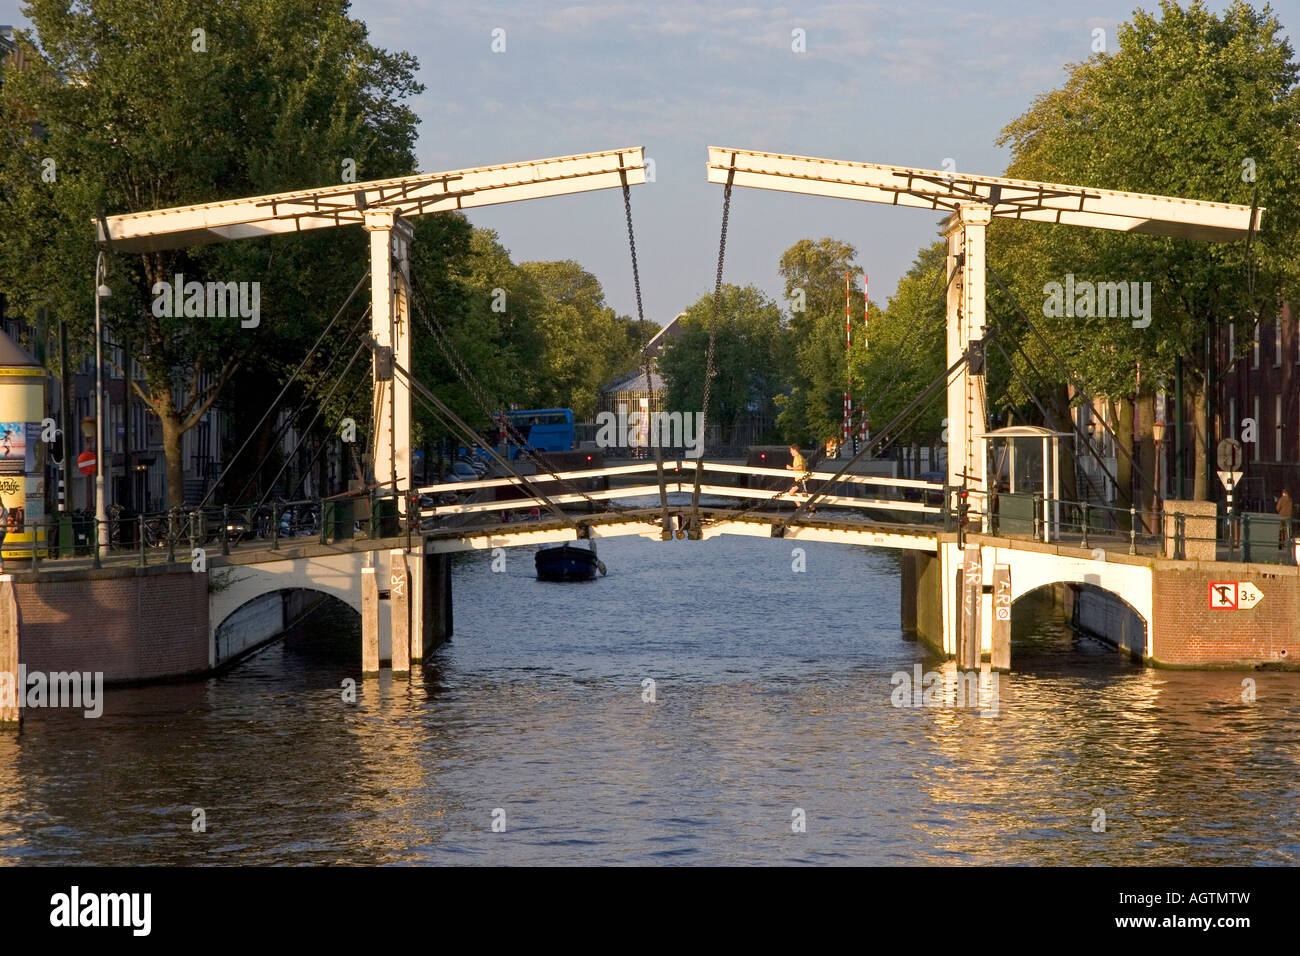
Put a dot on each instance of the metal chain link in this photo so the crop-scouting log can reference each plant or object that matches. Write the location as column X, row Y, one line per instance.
column 709, row 370
column 645, row 366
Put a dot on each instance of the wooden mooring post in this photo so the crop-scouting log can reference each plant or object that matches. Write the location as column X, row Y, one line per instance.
column 399, row 610
column 11, row 713
column 1000, row 656
column 972, row 596
column 369, row 623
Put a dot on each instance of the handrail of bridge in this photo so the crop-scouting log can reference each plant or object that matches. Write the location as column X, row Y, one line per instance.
column 825, row 476
column 683, row 487
column 684, row 465
column 1251, row 538
column 542, row 478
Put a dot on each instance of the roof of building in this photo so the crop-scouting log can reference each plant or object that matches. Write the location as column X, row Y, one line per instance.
column 666, row 334
column 12, row 355
column 634, row 382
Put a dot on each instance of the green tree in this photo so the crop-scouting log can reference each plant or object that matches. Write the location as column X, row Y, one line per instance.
column 1191, row 104
column 586, row 342
column 814, row 274
column 750, row 358
column 906, row 350
column 137, row 113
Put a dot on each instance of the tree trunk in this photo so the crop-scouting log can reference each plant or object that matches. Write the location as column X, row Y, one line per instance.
column 171, row 435
column 1146, row 457
column 1063, row 421
column 1200, row 432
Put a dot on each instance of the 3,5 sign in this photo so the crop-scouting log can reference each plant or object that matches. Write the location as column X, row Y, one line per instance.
column 1234, row 595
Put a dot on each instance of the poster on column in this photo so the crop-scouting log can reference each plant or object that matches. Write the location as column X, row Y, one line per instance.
column 13, row 492
column 13, row 447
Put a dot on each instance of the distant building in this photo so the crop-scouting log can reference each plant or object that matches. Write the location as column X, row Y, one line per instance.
column 1262, row 387
column 1255, row 399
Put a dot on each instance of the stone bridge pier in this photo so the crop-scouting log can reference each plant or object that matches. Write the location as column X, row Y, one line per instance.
column 960, row 599
column 402, row 597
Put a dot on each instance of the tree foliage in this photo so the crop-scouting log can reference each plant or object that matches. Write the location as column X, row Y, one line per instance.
column 1191, row 104
column 814, row 274
column 751, row 358
column 137, row 111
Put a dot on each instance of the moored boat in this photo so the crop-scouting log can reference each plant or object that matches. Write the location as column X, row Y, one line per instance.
column 566, row 562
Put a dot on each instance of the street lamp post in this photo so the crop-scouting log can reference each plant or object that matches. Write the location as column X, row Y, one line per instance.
column 1158, row 433
column 102, row 292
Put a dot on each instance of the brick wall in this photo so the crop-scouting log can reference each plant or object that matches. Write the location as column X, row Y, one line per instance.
column 132, row 624
column 1188, row 632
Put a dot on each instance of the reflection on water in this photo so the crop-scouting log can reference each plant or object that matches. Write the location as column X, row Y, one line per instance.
column 772, row 693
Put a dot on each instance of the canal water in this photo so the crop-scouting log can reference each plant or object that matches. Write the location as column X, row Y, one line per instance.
column 773, row 712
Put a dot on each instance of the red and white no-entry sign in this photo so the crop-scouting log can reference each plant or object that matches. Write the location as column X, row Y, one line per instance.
column 86, row 463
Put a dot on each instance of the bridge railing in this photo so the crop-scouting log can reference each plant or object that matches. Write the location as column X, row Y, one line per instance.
column 173, row 535
column 1246, row 537
column 760, row 484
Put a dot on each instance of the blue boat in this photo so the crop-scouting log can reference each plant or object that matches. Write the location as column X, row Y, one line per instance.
column 567, row 563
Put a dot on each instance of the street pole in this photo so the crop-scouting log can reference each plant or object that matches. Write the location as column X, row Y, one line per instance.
column 1178, row 428
column 65, row 402
column 101, row 506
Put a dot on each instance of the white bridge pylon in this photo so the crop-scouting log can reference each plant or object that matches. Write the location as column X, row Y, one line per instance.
column 381, row 206
column 972, row 202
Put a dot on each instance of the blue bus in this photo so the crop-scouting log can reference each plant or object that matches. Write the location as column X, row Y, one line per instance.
column 541, row 429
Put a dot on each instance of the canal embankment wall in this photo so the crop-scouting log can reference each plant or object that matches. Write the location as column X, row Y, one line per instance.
column 131, row 624
column 1193, row 624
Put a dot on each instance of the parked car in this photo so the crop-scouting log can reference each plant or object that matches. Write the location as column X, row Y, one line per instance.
column 462, row 471
column 480, row 467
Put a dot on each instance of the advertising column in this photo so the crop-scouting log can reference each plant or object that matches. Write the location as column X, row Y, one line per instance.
column 22, row 453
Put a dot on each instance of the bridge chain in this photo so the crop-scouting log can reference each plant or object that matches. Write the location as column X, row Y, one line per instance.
column 709, row 370
column 665, row 526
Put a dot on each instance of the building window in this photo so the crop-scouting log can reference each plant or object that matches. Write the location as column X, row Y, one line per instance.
column 1232, row 417
column 1256, row 442
column 1277, row 414
column 1232, row 342
column 1277, row 344
column 1254, row 362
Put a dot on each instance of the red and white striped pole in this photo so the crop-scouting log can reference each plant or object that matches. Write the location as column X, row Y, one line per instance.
column 848, row 342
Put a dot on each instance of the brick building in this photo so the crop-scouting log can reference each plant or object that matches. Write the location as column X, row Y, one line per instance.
column 1262, row 386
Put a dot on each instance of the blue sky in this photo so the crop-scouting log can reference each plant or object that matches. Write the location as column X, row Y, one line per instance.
column 898, row 83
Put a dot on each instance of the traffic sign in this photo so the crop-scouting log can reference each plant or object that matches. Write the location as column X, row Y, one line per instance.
column 1248, row 595
column 1223, row 595
column 1230, row 455
column 86, row 463
column 1230, row 479
column 1234, row 595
